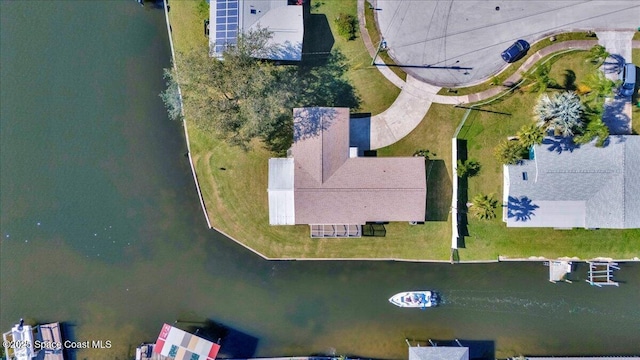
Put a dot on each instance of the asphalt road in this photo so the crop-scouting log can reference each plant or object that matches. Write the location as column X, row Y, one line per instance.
column 456, row 43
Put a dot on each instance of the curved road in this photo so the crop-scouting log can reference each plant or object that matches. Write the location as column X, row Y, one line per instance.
column 458, row 43
column 417, row 95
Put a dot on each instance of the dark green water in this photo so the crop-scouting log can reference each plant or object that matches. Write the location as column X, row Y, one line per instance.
column 101, row 226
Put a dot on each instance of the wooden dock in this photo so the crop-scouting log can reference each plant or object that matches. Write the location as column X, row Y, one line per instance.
column 559, row 270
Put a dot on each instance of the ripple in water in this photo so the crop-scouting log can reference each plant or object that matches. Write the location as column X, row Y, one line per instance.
column 527, row 304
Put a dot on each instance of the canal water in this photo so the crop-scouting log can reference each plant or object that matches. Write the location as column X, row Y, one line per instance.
column 101, row 227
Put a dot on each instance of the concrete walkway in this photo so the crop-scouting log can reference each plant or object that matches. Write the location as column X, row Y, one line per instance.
column 416, row 96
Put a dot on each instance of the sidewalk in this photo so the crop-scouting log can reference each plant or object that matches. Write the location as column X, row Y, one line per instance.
column 416, row 97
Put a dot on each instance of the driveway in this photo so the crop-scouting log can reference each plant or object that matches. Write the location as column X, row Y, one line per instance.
column 617, row 110
column 457, row 43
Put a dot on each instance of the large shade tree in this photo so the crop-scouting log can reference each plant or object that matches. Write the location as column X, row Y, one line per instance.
column 561, row 113
column 241, row 98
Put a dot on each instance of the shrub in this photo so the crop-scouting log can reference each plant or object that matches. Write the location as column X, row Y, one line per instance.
column 424, row 152
column 561, row 113
column 347, row 26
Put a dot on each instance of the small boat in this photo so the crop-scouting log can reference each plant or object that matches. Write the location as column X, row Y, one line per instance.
column 415, row 299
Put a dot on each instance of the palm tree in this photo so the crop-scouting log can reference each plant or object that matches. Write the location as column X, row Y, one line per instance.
column 484, row 206
column 509, row 152
column 599, row 85
column 530, row 135
column 540, row 78
column 597, row 55
column 595, row 129
column 561, row 113
column 468, row 168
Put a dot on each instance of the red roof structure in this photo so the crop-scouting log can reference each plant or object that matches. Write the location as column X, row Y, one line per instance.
column 180, row 345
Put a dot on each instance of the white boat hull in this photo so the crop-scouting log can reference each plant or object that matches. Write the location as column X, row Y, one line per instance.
column 415, row 299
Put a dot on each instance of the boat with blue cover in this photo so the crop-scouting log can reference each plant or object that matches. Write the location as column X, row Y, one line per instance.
column 416, row 299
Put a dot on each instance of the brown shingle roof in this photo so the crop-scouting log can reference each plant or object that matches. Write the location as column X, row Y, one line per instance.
column 331, row 188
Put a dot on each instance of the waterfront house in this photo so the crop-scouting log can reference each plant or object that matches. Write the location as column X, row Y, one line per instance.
column 283, row 18
column 325, row 184
column 564, row 185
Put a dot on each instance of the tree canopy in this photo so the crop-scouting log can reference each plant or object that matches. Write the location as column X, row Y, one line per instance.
column 241, row 98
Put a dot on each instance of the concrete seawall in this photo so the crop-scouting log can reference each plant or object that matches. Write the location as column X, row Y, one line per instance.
column 184, row 121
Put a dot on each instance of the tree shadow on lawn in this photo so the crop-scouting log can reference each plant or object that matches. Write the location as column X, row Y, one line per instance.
column 569, row 80
column 316, row 86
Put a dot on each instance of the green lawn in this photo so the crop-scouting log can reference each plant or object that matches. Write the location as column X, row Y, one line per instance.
column 376, row 92
column 500, row 78
column 488, row 239
column 234, row 182
column 236, row 197
column 374, row 33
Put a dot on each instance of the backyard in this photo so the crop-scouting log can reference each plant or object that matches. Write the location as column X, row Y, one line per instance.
column 234, row 182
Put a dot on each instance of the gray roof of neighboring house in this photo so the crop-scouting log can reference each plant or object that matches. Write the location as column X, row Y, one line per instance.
column 438, row 353
column 331, row 188
column 228, row 18
column 577, row 186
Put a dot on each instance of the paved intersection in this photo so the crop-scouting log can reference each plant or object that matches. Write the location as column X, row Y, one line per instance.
column 456, row 43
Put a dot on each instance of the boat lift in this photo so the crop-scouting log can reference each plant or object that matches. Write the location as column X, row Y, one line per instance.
column 601, row 273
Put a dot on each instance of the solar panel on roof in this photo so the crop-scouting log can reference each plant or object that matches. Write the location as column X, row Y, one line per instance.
column 226, row 23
